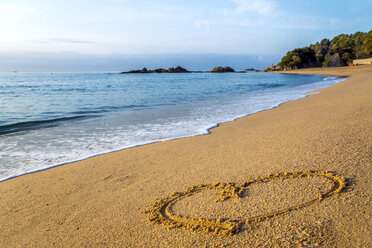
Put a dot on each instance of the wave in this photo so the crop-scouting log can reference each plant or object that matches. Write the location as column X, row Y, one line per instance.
column 33, row 125
column 271, row 85
column 105, row 109
column 76, row 116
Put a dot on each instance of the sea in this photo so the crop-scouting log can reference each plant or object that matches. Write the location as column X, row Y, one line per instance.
column 49, row 119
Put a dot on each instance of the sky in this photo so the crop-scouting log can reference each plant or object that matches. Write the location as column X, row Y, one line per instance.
column 114, row 35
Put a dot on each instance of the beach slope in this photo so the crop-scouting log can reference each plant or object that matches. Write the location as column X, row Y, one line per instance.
column 105, row 201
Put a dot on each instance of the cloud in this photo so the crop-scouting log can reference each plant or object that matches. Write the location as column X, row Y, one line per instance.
column 261, row 7
column 67, row 40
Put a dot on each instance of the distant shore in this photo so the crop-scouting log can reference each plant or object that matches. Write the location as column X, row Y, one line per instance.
column 336, row 71
column 102, row 201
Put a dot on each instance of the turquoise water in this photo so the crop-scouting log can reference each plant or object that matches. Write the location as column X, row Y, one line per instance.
column 49, row 119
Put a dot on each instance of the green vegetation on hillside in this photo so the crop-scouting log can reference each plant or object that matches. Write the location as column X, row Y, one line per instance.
column 339, row 51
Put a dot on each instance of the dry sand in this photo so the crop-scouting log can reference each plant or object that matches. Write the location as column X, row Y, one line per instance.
column 101, row 201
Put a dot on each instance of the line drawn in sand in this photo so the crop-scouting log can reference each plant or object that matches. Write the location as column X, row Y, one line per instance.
column 160, row 212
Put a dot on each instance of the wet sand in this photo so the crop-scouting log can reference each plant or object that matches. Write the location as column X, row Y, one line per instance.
column 105, row 201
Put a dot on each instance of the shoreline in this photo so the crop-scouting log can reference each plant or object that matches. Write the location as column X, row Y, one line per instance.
column 75, row 204
column 207, row 131
column 343, row 71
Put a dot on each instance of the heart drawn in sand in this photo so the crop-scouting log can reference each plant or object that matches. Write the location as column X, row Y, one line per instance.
column 161, row 211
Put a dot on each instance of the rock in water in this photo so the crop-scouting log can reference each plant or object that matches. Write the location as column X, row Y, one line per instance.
column 178, row 69
column 220, row 69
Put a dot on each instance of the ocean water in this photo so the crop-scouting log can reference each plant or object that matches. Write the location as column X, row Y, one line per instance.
column 50, row 119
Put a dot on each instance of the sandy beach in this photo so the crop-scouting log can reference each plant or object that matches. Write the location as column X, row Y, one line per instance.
column 242, row 178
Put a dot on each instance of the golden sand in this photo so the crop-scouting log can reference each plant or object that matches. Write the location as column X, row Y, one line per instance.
column 106, row 201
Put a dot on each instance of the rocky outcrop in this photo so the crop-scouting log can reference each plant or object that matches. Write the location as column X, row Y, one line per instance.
column 178, row 69
column 144, row 70
column 273, row 68
column 336, row 61
column 220, row 69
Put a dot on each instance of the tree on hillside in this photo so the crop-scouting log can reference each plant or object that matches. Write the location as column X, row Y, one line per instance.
column 367, row 44
column 344, row 46
column 299, row 58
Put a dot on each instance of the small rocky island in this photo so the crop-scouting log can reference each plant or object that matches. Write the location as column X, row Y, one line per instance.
column 220, row 69
column 178, row 69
